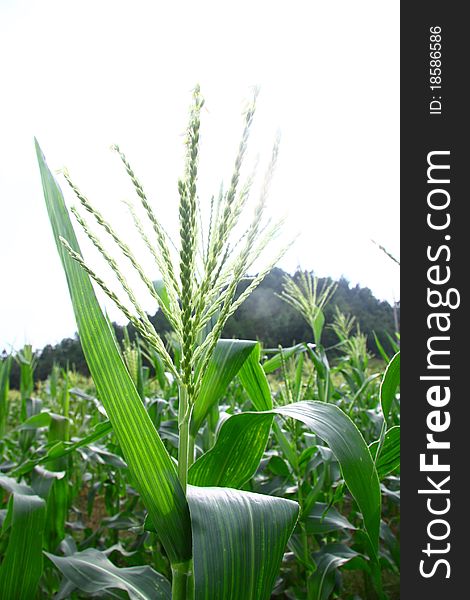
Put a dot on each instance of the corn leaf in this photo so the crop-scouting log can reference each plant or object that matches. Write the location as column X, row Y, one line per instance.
column 275, row 362
column 242, row 440
column 144, row 452
column 321, row 584
column 61, row 448
column 5, row 366
column 389, row 385
column 23, row 561
column 255, row 382
column 225, row 363
column 352, row 453
column 238, row 542
column 236, row 455
column 162, row 293
column 52, row 486
column 388, row 460
column 238, row 437
column 92, row 572
column 381, row 349
column 323, row 519
column 318, row 323
column 320, row 361
column 42, row 419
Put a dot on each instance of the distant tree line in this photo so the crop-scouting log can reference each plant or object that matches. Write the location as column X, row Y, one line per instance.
column 262, row 316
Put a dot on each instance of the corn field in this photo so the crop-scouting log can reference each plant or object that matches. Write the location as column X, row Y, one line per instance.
column 191, row 466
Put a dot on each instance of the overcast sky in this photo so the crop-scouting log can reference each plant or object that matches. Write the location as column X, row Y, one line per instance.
column 81, row 75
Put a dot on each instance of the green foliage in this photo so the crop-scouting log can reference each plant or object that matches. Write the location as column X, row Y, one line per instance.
column 227, row 359
column 5, row 365
column 262, row 316
column 195, row 467
column 389, row 385
column 142, row 447
column 308, row 300
column 24, row 522
column 92, row 572
column 351, row 451
column 292, row 464
column 239, row 540
column 236, row 455
column 388, row 459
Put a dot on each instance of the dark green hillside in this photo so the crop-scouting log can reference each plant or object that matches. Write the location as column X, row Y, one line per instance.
column 263, row 316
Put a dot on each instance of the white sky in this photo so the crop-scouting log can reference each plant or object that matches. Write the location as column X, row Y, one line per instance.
column 81, row 75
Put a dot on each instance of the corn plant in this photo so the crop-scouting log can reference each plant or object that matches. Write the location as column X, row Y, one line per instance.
column 309, row 301
column 353, row 365
column 305, row 470
column 5, row 366
column 221, row 541
column 27, row 361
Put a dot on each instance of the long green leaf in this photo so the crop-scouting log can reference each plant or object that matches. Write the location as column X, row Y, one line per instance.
column 52, row 486
column 225, row 363
column 389, row 385
column 238, row 436
column 388, row 460
column 236, row 454
column 318, row 323
column 23, row 561
column 92, row 572
column 5, row 366
column 352, row 453
column 240, row 444
column 328, row 559
column 13, row 487
column 239, row 447
column 382, row 352
column 255, row 382
column 61, row 448
column 275, row 362
column 42, row 419
column 150, row 463
column 239, row 540
column 327, row 421
column 323, row 519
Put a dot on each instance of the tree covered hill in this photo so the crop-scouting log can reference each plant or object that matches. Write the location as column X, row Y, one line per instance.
column 263, row 316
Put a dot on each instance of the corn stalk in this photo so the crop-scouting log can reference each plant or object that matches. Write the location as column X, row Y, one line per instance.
column 222, row 542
